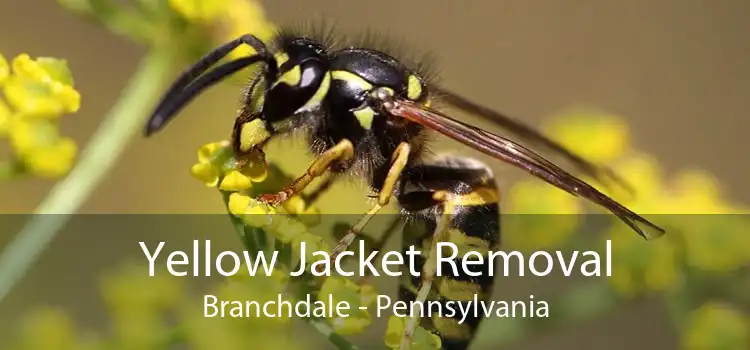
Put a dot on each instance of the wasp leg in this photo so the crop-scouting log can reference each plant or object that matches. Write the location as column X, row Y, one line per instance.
column 429, row 271
column 398, row 163
column 452, row 200
column 341, row 152
column 314, row 195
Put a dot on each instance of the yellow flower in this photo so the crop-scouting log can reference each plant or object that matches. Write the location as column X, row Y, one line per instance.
column 715, row 238
column 313, row 243
column 692, row 211
column 235, row 181
column 53, row 161
column 238, row 204
column 215, row 161
column 692, row 208
column 422, row 340
column 244, row 17
column 48, row 328
column 6, row 115
column 715, row 243
column 131, row 288
column 232, row 18
column 296, row 205
column 207, row 152
column 339, row 289
column 139, row 329
column 41, row 148
column 202, row 11
column 640, row 266
column 247, row 289
column 205, row 172
column 642, row 172
column 287, row 229
column 696, row 192
column 717, row 326
column 44, row 69
column 596, row 136
column 41, row 87
column 137, row 301
column 234, row 332
column 252, row 212
column 4, row 69
column 542, row 216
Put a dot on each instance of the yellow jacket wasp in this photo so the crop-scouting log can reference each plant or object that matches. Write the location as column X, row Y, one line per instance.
column 366, row 114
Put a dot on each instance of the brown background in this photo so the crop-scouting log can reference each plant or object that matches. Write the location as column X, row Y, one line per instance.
column 677, row 70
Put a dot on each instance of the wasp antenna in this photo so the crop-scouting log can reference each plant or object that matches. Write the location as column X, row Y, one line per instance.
column 170, row 107
column 643, row 227
column 190, row 82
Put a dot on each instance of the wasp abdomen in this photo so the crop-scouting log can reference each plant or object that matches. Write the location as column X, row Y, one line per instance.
column 462, row 192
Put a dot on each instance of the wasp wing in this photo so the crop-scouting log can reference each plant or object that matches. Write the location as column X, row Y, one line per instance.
column 517, row 155
column 527, row 133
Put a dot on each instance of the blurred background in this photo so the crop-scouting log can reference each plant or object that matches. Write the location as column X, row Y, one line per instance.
column 675, row 71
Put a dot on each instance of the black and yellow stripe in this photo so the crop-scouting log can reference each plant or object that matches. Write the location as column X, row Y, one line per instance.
column 466, row 197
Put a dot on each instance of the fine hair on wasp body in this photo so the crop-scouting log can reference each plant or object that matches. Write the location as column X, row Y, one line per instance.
column 367, row 113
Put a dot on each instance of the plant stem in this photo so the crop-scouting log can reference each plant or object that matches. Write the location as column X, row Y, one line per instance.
column 251, row 244
column 337, row 340
column 120, row 125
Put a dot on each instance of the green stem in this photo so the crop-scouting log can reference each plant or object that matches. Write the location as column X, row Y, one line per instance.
column 251, row 244
column 118, row 128
column 336, row 339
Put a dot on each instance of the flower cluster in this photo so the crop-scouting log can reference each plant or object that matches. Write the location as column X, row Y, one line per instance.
column 37, row 92
column 716, row 325
column 704, row 233
column 288, row 226
column 159, row 313
column 217, row 167
column 189, row 27
column 341, row 289
column 422, row 339
column 679, row 203
column 231, row 18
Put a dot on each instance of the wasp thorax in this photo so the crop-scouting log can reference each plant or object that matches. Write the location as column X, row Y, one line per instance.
column 302, row 81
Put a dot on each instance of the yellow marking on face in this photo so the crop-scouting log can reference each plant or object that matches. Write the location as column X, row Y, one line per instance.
column 252, row 134
column 320, row 94
column 257, row 96
column 351, row 78
column 428, row 102
column 281, row 58
column 413, row 88
column 291, row 77
column 458, row 290
column 365, row 117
